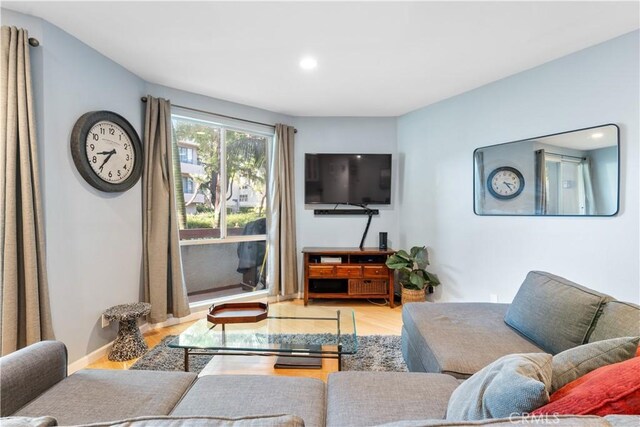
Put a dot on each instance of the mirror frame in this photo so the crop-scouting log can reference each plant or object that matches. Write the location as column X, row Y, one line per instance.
column 617, row 192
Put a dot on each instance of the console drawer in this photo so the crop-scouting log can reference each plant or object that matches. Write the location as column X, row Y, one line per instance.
column 376, row 271
column 348, row 271
column 321, row 271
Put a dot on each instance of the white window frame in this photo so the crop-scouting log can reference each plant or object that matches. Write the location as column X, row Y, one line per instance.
column 224, row 125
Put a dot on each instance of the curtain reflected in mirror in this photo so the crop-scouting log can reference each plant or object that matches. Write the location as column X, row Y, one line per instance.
column 567, row 174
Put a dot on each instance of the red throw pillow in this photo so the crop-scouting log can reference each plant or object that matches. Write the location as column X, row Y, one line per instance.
column 611, row 389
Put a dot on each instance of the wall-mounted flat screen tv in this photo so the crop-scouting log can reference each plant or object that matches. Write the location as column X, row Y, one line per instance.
column 358, row 179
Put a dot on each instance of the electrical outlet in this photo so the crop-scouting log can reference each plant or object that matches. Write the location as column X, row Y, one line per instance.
column 105, row 322
column 493, row 297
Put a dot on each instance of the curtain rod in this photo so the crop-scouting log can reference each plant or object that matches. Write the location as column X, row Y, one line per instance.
column 144, row 99
column 566, row 155
column 34, row 42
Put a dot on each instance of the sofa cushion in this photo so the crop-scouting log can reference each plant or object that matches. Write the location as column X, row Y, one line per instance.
column 171, row 421
column 618, row 319
column 553, row 312
column 515, row 384
column 369, row 398
column 623, row 420
column 556, row 420
column 255, row 395
column 28, row 422
column 93, row 395
column 458, row 339
column 573, row 363
column 612, row 389
column 29, row 372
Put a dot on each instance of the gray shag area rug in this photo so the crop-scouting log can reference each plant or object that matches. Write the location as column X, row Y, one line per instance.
column 375, row 353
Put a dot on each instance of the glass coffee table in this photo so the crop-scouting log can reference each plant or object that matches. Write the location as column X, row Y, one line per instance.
column 291, row 332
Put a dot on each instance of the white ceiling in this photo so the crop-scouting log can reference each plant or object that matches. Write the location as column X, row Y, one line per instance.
column 374, row 58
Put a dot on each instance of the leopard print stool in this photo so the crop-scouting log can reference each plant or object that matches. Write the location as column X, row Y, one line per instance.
column 129, row 343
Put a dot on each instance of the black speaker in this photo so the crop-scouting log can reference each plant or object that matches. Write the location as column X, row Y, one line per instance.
column 382, row 241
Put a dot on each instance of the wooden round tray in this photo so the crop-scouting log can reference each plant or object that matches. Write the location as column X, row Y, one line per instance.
column 237, row 312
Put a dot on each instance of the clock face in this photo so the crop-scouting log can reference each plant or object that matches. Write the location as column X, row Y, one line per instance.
column 106, row 151
column 505, row 183
column 110, row 152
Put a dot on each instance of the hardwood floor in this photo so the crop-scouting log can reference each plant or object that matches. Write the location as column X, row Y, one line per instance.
column 371, row 319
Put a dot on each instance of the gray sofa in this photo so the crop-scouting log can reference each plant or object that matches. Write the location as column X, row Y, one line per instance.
column 549, row 314
column 452, row 340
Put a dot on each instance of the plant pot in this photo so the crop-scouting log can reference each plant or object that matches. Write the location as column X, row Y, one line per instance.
column 412, row 295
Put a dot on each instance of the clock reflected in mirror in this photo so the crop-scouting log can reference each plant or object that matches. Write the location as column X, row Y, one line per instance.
column 505, row 183
column 106, row 151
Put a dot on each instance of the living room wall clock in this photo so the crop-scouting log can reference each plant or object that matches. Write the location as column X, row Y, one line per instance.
column 505, row 183
column 106, row 151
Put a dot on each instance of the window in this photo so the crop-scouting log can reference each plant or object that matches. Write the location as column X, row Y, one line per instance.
column 222, row 232
column 187, row 185
column 186, row 155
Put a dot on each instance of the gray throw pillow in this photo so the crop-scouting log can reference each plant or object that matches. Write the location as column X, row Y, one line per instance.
column 512, row 385
column 578, row 361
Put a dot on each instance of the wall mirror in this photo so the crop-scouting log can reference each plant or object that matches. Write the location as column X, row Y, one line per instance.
column 573, row 173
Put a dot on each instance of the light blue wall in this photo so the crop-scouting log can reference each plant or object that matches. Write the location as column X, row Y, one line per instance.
column 478, row 256
column 344, row 135
column 205, row 103
column 93, row 239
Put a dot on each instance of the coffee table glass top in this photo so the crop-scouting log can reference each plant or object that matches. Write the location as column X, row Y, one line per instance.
column 288, row 328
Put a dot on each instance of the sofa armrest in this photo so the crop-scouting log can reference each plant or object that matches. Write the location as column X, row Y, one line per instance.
column 27, row 373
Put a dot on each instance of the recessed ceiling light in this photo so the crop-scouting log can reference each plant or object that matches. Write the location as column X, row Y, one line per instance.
column 308, row 63
column 596, row 135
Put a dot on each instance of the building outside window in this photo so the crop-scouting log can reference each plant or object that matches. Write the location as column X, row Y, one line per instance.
column 186, row 155
column 223, row 215
column 187, row 185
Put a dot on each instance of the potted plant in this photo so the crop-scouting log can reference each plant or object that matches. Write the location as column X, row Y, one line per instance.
column 412, row 274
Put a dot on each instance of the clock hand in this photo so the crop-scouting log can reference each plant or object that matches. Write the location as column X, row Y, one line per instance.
column 111, row 153
column 107, row 152
column 507, row 184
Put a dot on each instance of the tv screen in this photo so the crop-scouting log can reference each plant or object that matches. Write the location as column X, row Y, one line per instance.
column 358, row 179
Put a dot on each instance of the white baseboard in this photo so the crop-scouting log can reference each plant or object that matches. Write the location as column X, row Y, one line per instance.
column 83, row 362
column 197, row 314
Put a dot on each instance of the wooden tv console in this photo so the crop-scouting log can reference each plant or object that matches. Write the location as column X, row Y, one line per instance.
column 347, row 273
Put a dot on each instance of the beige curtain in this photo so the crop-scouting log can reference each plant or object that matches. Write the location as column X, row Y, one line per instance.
column 162, row 265
column 25, row 313
column 282, row 274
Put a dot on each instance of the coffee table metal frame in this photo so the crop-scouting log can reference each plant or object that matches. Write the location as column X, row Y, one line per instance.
column 285, row 352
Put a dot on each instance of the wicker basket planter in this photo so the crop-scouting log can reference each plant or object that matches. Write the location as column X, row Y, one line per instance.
column 411, row 295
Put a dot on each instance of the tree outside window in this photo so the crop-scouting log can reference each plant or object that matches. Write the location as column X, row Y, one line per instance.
column 242, row 155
